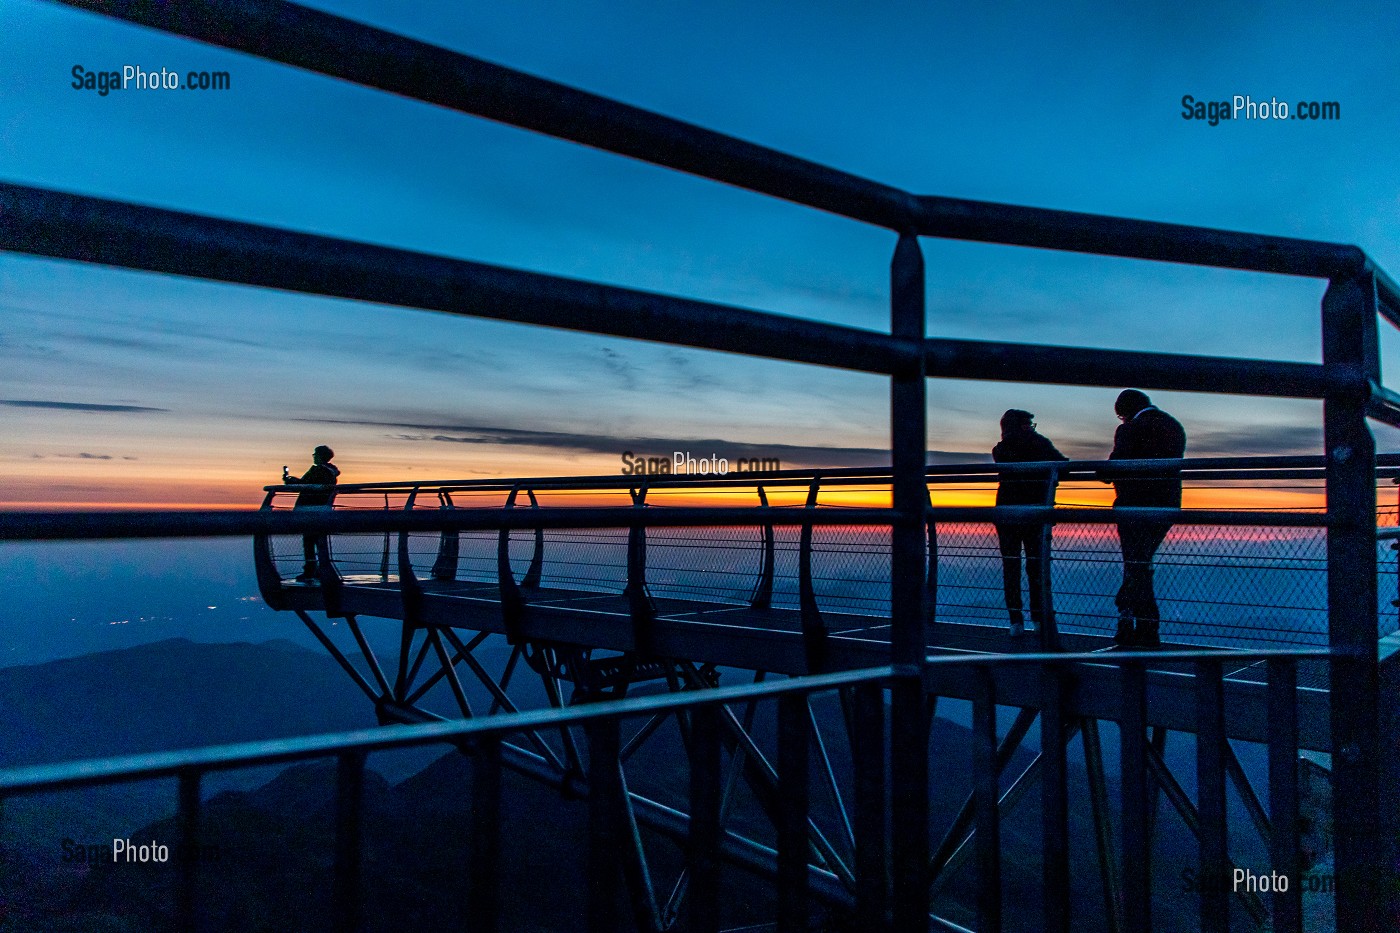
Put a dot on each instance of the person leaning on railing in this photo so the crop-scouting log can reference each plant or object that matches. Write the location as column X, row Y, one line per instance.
column 1020, row 443
column 1147, row 433
column 322, row 473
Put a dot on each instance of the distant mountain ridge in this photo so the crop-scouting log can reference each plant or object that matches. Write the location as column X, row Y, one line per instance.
column 171, row 694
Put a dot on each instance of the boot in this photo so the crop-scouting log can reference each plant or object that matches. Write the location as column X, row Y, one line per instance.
column 308, row 574
column 1147, row 636
column 1018, row 625
column 1124, row 636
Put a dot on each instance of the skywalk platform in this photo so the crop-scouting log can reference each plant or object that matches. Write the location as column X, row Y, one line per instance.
column 773, row 640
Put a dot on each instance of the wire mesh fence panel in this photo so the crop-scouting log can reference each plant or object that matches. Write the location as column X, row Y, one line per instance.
column 718, row 565
column 589, row 559
column 851, row 569
column 1214, row 585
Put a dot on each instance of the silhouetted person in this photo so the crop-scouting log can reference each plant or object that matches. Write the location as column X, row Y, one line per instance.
column 1147, row 433
column 322, row 473
column 1021, row 444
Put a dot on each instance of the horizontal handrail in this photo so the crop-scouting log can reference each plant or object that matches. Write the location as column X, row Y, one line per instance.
column 1100, row 234
column 1113, row 516
column 39, row 526
column 69, row 226
column 83, row 525
column 1290, row 467
column 61, row 225
column 352, row 51
column 1043, row 364
column 116, row 769
column 49, row 777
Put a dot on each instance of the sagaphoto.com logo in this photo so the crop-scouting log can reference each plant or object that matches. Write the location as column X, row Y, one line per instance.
column 103, row 81
column 1244, row 107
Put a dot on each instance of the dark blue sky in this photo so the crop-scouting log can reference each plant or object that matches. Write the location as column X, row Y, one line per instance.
column 1078, row 107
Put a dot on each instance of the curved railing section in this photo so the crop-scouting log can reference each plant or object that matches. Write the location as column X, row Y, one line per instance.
column 1223, row 577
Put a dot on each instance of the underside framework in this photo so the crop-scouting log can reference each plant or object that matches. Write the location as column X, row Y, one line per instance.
column 476, row 640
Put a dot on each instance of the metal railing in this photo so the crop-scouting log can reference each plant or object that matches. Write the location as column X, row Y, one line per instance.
column 859, row 890
column 1228, row 576
column 1348, row 381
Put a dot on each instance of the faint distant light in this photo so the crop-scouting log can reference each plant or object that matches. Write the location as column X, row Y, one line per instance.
column 211, row 607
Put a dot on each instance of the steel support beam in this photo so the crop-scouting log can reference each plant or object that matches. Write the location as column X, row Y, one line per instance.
column 1210, row 796
column 1284, row 793
column 1103, row 825
column 702, row 844
column 484, row 883
column 1054, row 803
column 792, row 822
column 349, row 802
column 1137, row 844
column 1365, row 836
column 908, row 578
column 187, row 819
column 985, row 776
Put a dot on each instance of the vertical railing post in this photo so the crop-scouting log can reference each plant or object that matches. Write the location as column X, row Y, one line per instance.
column 986, row 775
column 793, row 844
column 449, row 544
column 702, row 847
column 908, row 644
column 763, row 588
column 1210, row 796
column 512, row 602
column 349, row 798
column 1054, row 801
column 187, row 818
column 1365, row 831
column 931, row 578
column 605, row 835
column 536, row 568
column 484, row 880
column 265, row 566
column 868, row 760
column 1137, row 847
column 638, row 600
column 1049, row 633
column 384, row 556
column 813, row 629
column 1283, row 793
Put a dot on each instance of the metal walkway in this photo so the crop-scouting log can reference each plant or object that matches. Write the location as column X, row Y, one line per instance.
column 787, row 598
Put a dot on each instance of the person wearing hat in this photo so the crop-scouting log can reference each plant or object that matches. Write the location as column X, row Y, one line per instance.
column 1020, row 443
column 1147, row 433
column 322, row 474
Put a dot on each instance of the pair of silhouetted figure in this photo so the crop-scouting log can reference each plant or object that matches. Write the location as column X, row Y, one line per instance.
column 1146, row 433
column 322, row 474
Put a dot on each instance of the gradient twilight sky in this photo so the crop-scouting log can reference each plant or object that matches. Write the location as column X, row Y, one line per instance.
column 123, row 387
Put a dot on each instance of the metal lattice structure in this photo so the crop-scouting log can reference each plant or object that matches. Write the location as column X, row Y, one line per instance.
column 873, row 873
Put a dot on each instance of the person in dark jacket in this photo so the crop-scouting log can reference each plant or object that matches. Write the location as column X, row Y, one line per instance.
column 1147, row 433
column 1021, row 444
column 322, row 473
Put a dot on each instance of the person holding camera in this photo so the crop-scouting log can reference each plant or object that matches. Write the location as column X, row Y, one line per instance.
column 322, row 474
